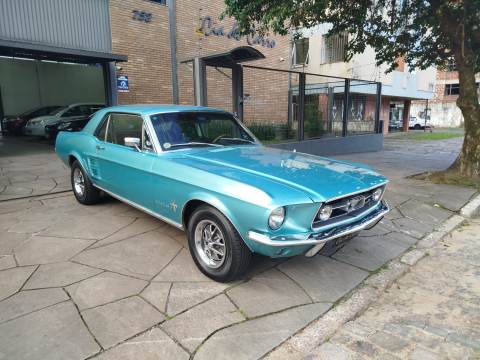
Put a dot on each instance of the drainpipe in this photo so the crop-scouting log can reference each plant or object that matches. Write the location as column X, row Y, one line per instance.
column 172, row 25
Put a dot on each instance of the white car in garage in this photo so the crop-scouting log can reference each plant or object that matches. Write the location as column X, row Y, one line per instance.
column 36, row 126
column 418, row 123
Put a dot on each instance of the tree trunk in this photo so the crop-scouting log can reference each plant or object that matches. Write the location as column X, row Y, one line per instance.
column 468, row 162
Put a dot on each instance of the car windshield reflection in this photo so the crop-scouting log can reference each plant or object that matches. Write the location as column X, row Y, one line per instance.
column 196, row 129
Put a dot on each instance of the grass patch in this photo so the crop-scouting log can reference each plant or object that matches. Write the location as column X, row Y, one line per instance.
column 450, row 177
column 427, row 136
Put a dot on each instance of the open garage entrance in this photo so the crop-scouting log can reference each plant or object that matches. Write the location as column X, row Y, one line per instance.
column 28, row 84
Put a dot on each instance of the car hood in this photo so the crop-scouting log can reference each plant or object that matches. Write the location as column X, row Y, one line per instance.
column 321, row 179
column 47, row 119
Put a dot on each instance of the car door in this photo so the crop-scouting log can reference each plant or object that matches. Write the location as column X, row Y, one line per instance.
column 122, row 170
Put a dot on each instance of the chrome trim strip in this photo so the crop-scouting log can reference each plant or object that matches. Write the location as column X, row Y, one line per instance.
column 364, row 223
column 356, row 192
column 140, row 207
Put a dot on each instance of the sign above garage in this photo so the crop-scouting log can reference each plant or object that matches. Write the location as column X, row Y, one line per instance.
column 122, row 83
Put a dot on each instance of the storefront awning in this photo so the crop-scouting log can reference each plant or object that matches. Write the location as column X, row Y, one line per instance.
column 53, row 53
column 229, row 59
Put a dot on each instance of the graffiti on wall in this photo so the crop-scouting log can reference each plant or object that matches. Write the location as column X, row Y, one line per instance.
column 208, row 27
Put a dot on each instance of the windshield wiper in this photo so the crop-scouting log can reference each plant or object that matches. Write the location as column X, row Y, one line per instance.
column 239, row 139
column 193, row 143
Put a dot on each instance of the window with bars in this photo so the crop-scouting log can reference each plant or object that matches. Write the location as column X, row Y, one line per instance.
column 300, row 51
column 333, row 48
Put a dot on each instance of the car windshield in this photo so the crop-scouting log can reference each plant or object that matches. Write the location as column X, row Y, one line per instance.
column 191, row 129
column 56, row 110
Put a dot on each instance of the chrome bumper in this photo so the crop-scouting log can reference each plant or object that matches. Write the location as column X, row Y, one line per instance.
column 321, row 238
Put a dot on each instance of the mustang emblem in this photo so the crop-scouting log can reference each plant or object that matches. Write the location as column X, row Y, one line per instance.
column 173, row 206
column 355, row 203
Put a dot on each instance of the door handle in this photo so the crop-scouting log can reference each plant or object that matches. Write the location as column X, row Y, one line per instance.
column 99, row 147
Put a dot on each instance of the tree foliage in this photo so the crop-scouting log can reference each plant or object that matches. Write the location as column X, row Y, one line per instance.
column 423, row 32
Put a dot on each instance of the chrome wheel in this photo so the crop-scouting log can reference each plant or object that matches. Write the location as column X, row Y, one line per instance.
column 78, row 182
column 210, row 244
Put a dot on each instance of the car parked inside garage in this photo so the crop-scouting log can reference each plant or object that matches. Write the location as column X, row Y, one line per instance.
column 77, row 124
column 14, row 124
column 73, row 112
column 203, row 171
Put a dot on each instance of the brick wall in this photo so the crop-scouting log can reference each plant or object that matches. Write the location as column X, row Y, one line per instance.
column 148, row 48
column 149, row 70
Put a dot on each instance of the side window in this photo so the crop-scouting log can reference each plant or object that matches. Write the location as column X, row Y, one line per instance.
column 102, row 130
column 74, row 111
column 125, row 125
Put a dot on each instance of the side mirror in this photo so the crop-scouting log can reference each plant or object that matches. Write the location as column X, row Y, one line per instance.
column 132, row 142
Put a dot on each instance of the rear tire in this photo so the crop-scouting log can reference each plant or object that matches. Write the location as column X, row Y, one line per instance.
column 417, row 127
column 82, row 187
column 216, row 247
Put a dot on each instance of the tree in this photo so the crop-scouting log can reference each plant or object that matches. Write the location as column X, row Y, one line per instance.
column 423, row 32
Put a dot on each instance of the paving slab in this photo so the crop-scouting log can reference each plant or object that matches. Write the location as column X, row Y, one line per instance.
column 11, row 280
column 157, row 294
column 7, row 262
column 137, row 227
column 10, row 241
column 182, row 268
column 202, row 320
column 141, row 256
column 370, row 253
column 323, row 278
column 424, row 213
column 153, row 345
column 252, row 339
column 54, row 333
column 184, row 295
column 99, row 226
column 118, row 321
column 44, row 250
column 104, row 288
column 28, row 301
column 59, row 275
column 268, row 292
column 412, row 227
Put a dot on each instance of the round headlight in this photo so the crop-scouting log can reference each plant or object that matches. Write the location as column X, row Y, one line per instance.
column 275, row 220
column 377, row 194
column 325, row 212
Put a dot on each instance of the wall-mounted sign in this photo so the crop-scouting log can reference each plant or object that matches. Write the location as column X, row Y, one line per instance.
column 142, row 16
column 122, row 84
column 207, row 28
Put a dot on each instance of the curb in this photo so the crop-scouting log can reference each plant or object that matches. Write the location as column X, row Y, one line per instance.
column 472, row 208
column 300, row 345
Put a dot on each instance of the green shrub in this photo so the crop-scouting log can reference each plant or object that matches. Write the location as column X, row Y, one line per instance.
column 263, row 131
column 313, row 125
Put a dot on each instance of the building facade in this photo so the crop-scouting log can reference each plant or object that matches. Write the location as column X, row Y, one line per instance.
column 315, row 52
column 442, row 108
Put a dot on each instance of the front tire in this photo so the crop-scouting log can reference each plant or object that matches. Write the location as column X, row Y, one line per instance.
column 417, row 127
column 82, row 187
column 216, row 247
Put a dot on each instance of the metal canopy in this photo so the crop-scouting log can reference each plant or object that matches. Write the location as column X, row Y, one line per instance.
column 53, row 53
column 233, row 57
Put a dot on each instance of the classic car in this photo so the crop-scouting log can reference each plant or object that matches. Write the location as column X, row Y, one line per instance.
column 36, row 126
column 201, row 170
column 14, row 124
column 52, row 130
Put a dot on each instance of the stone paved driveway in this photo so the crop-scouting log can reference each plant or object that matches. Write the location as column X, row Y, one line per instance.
column 111, row 282
column 416, row 319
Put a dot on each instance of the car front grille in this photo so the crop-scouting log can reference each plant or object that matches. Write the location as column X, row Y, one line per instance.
column 346, row 208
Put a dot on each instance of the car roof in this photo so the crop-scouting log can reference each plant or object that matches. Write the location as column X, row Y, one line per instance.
column 150, row 109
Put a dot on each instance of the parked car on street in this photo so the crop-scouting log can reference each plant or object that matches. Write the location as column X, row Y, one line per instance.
column 201, row 170
column 14, row 124
column 36, row 126
column 51, row 131
column 418, row 123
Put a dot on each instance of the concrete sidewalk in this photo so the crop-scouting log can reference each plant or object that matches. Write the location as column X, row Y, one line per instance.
column 109, row 281
column 431, row 313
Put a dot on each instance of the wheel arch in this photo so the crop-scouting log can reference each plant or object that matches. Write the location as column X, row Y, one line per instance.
column 194, row 203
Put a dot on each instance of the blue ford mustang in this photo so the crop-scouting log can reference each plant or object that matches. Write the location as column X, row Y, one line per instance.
column 203, row 171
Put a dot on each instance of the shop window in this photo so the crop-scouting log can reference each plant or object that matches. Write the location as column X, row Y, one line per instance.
column 161, row 2
column 452, row 89
column 333, row 48
column 300, row 51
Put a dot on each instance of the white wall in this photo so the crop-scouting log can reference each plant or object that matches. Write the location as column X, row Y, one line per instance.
column 26, row 84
